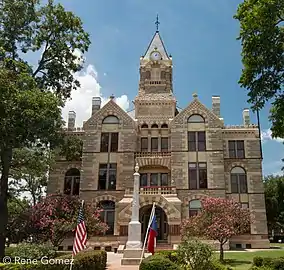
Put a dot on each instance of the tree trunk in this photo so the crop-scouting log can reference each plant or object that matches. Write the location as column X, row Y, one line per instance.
column 221, row 253
column 6, row 158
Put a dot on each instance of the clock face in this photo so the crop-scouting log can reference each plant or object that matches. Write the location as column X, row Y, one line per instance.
column 156, row 56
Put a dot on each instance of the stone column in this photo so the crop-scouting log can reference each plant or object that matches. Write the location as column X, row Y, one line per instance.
column 134, row 227
column 133, row 251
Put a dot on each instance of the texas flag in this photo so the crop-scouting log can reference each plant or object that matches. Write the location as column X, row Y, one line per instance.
column 153, row 232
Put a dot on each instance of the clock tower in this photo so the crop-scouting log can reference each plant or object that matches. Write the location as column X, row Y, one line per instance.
column 155, row 100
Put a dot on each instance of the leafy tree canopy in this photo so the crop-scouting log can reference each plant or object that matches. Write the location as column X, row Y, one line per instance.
column 219, row 219
column 274, row 200
column 56, row 216
column 262, row 37
column 31, row 95
column 71, row 148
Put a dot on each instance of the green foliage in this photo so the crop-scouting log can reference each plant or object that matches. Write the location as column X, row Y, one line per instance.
column 169, row 254
column 72, row 148
column 216, row 265
column 220, row 219
column 18, row 221
column 194, row 253
column 55, row 218
column 257, row 261
column 158, row 262
column 31, row 96
column 30, row 170
column 262, row 37
column 89, row 260
column 274, row 200
column 33, row 251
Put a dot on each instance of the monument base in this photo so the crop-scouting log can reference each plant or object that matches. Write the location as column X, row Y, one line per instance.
column 131, row 257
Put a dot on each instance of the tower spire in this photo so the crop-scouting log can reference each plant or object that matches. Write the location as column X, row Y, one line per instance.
column 157, row 23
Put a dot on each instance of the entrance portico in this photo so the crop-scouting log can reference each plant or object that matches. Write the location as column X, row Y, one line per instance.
column 162, row 223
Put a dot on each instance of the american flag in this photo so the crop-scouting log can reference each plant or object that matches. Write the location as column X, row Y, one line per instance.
column 81, row 233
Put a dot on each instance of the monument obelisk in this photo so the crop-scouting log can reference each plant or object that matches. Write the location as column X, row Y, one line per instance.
column 133, row 250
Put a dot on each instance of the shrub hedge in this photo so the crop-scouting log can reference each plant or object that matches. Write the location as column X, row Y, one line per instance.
column 268, row 263
column 158, row 262
column 89, row 260
column 169, row 254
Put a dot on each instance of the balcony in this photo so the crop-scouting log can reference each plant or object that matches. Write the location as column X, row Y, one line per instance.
column 157, row 82
column 154, row 190
column 153, row 159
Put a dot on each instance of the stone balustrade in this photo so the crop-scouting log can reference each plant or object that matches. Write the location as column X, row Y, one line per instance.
column 154, row 190
column 152, row 154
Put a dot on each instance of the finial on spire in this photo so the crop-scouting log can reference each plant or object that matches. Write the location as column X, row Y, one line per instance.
column 157, row 23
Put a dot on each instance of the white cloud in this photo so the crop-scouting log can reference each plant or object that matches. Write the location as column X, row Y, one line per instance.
column 266, row 135
column 81, row 99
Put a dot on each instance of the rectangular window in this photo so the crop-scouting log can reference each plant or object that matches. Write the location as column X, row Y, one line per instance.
column 240, row 149
column 197, row 174
column 201, row 140
column 191, row 141
column 107, row 177
column 164, row 144
column 114, row 142
column 154, row 179
column 196, row 141
column 234, row 183
column 154, row 144
column 202, row 175
column 105, row 142
column 192, row 175
column 243, row 183
column 144, row 144
column 109, row 142
column 236, row 149
column 193, row 213
column 164, row 179
column 143, row 180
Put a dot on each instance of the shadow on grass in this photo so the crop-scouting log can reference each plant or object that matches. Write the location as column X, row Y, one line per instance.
column 234, row 262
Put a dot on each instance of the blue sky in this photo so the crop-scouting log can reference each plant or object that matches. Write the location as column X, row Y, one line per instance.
column 199, row 34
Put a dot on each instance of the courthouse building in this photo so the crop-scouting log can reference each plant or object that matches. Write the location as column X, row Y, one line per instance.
column 183, row 156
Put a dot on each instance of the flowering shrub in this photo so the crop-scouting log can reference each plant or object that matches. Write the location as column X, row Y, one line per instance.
column 55, row 218
column 219, row 219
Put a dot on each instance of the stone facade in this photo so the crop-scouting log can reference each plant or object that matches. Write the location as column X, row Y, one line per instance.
column 157, row 137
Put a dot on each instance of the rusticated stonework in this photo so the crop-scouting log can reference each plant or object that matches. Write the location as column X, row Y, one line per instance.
column 156, row 136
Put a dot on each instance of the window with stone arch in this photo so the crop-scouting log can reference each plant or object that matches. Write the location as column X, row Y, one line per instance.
column 239, row 180
column 194, row 207
column 107, row 215
column 111, row 119
column 195, row 118
column 72, row 182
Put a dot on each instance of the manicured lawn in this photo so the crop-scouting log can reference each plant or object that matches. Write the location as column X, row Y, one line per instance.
column 243, row 260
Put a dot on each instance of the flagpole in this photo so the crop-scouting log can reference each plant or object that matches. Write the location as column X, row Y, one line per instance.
column 147, row 232
column 71, row 265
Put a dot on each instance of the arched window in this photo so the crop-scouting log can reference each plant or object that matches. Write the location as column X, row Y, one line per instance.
column 164, row 126
column 72, row 182
column 194, row 207
column 107, row 215
column 111, row 119
column 238, row 180
column 195, row 118
column 144, row 126
column 154, row 126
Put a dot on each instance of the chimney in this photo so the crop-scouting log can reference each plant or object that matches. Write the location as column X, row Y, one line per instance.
column 246, row 119
column 96, row 104
column 216, row 105
column 71, row 119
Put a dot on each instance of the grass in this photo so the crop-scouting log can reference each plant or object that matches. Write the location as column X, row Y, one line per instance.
column 243, row 260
